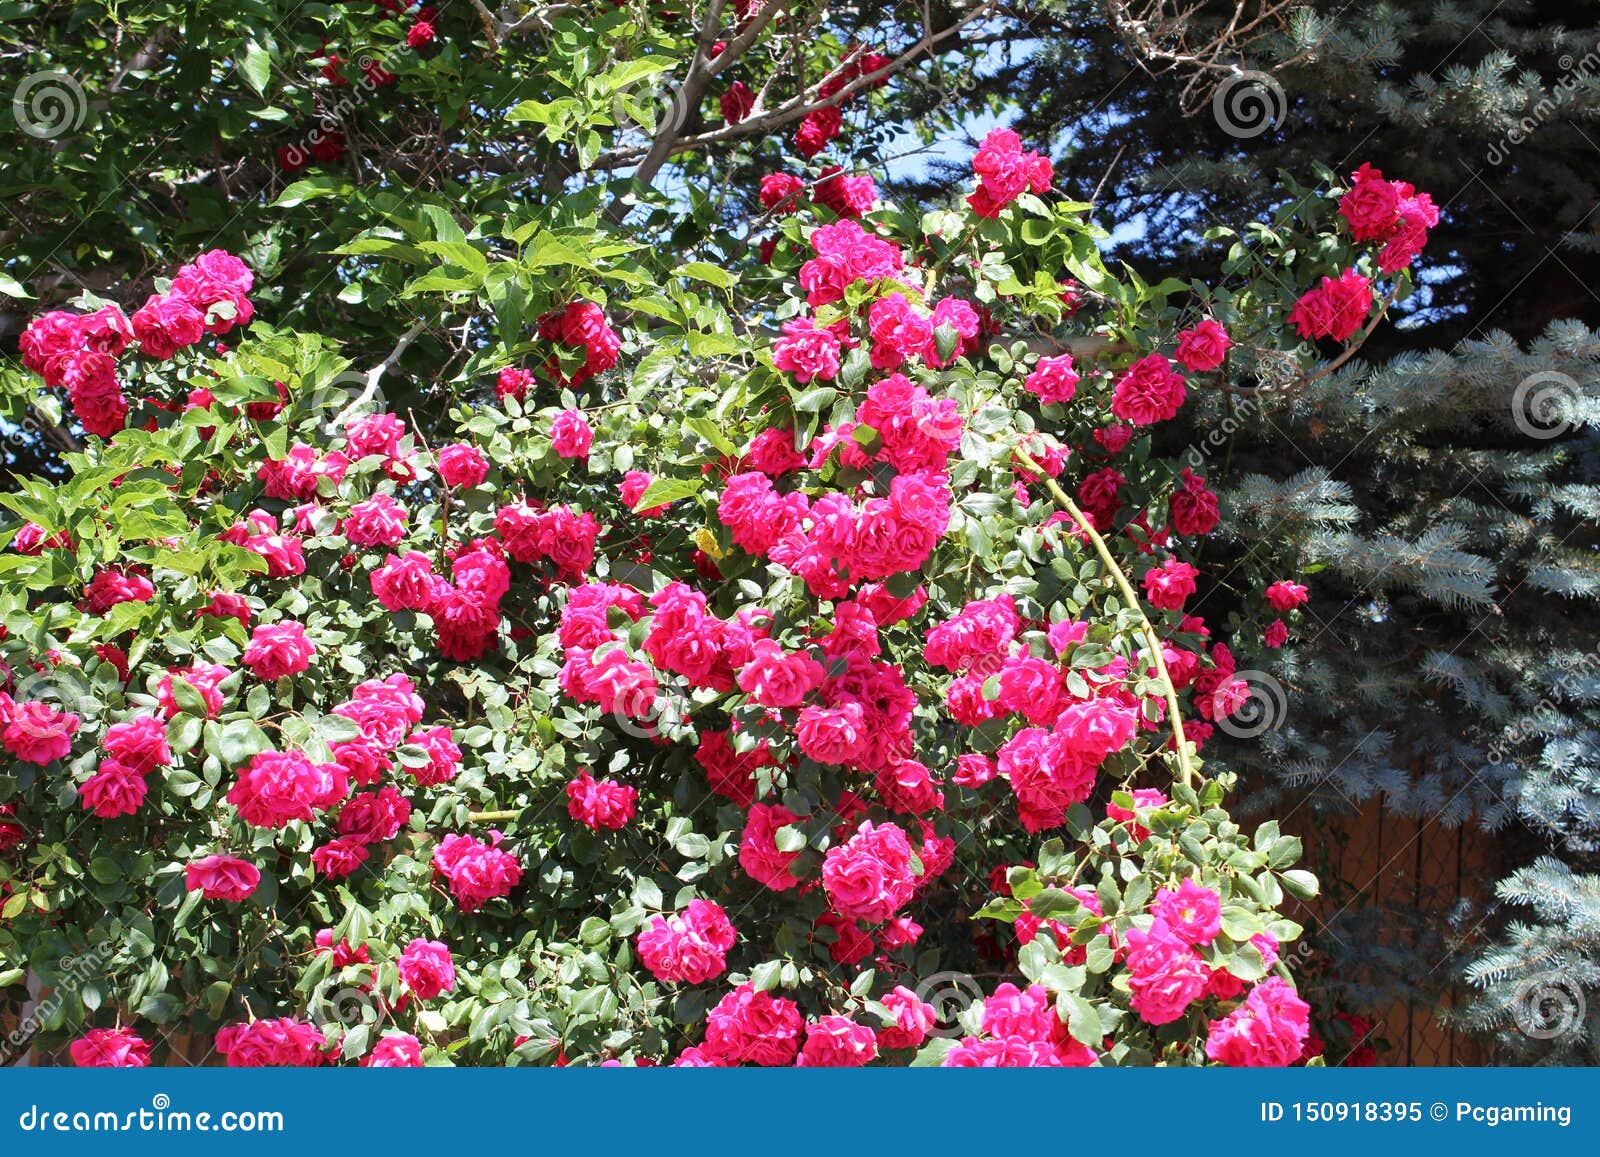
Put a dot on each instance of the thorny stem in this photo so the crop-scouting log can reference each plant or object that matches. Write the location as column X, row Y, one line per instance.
column 1152, row 640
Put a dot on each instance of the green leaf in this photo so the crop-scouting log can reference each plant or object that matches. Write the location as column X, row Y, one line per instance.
column 1083, row 1019
column 712, row 433
column 932, row 1054
column 310, row 188
column 707, row 272
column 815, row 400
column 1239, row 924
column 764, row 977
column 240, row 740
column 1287, row 850
column 460, row 253
column 630, row 72
column 1300, row 884
column 789, row 838
column 256, row 66
column 664, row 490
column 104, row 870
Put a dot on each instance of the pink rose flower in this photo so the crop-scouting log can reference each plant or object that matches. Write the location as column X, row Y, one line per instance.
column 1204, row 347
column 570, row 434
column 1268, row 1030
column 278, row 650
column 750, row 1027
column 110, row 1048
column 837, row 1042
column 426, row 969
column 114, row 790
column 870, row 877
column 462, row 464
column 600, row 804
column 222, row 878
column 688, row 947
column 36, row 732
column 1334, row 309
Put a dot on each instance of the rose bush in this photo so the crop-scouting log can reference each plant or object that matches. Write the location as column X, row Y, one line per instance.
column 742, row 652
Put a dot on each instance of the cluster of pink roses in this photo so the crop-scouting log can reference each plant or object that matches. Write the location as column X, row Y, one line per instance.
column 821, row 125
column 581, row 325
column 846, row 194
column 1021, row 1029
column 278, row 1041
column 77, row 352
column 751, row 1027
column 689, row 947
column 1392, row 212
column 1268, row 1030
column 833, row 543
column 35, row 732
column 852, row 512
column 133, row 749
column 1282, row 596
column 1005, row 172
column 476, row 872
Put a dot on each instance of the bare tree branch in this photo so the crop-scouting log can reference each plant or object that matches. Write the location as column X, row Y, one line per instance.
column 796, row 108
